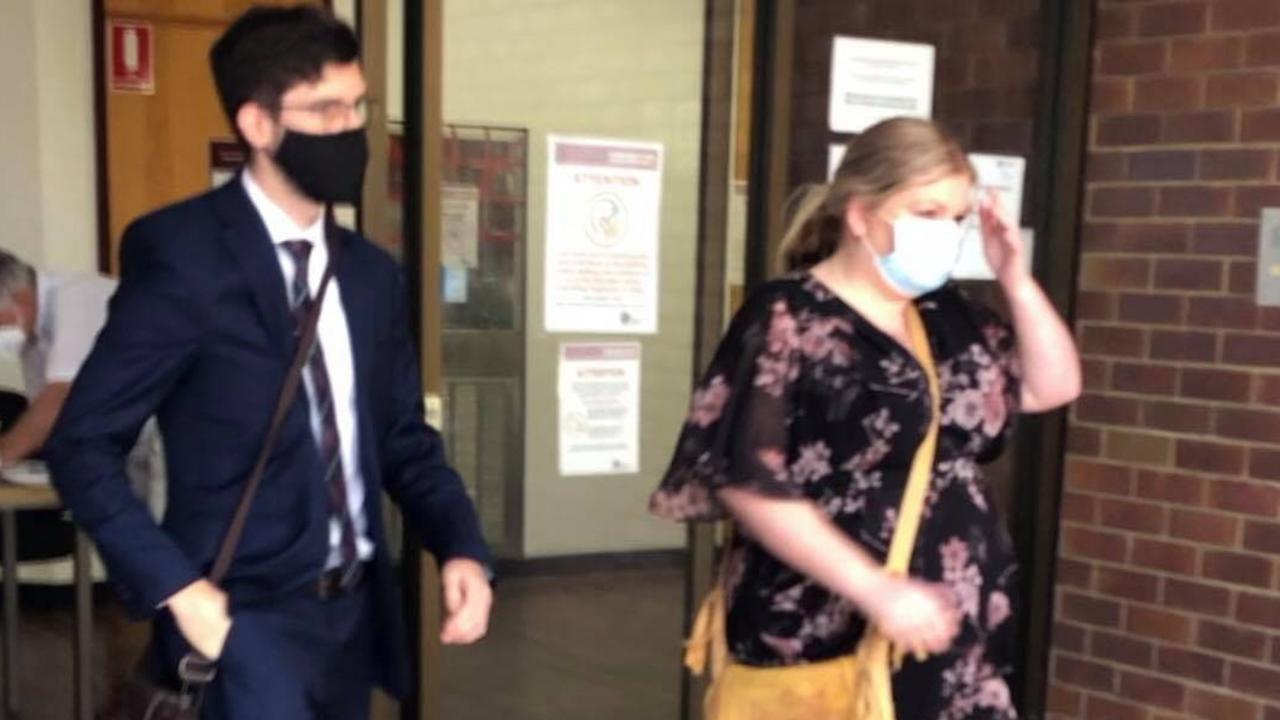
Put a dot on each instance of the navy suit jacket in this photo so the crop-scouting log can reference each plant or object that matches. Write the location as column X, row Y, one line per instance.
column 199, row 334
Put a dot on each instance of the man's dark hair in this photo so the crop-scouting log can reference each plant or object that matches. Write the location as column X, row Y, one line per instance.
column 268, row 50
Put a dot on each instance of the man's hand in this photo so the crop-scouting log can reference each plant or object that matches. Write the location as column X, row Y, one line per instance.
column 200, row 610
column 467, row 600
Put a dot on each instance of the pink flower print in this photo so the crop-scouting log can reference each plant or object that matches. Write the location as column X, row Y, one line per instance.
column 813, row 464
column 774, row 460
column 787, row 648
column 709, row 402
column 967, row 410
column 955, row 555
column 691, row 500
column 997, row 609
column 819, row 342
column 782, row 330
column 994, row 694
column 994, row 412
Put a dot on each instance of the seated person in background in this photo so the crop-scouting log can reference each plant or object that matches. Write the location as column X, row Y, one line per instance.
column 48, row 322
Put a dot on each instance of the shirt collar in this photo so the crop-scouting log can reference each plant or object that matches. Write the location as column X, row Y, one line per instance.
column 45, row 284
column 281, row 227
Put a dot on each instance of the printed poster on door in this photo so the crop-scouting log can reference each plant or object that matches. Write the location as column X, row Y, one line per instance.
column 604, row 202
column 599, row 394
column 874, row 80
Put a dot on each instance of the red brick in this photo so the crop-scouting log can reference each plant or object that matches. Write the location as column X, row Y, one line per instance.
column 1064, row 700
column 1152, row 690
column 1202, row 527
column 1231, row 639
column 1235, row 313
column 1188, row 346
column 1263, row 49
column 1073, row 573
column 1171, row 487
column 1098, row 477
column 1217, row 706
column 1095, row 305
column 1107, row 410
column 1127, row 584
column 1242, row 424
column 1123, row 202
column 1136, row 447
column 1160, row 624
column 1152, row 309
column 1210, row 457
column 1136, row 58
column 1168, row 93
column 1268, row 391
column 1244, row 277
column 1084, row 674
column 1249, row 498
column 1264, row 464
column 1147, row 379
column 1142, row 129
column 1167, row 19
column 1111, row 95
column 1130, row 237
column 1216, row 238
column 1262, row 537
column 1192, row 665
column 1196, row 597
column 1128, row 515
column 1159, row 165
column 1081, row 542
column 1113, row 341
column 1103, row 272
column 1244, row 14
column 1189, row 274
column 1253, row 164
column 1164, row 556
column 1121, row 649
column 1077, row 507
column 1219, row 385
column 1176, row 417
column 1261, row 126
column 1083, row 440
column 1100, row 706
column 1238, row 568
column 1114, row 23
column 1194, row 127
column 1242, row 349
column 1250, row 200
column 1201, row 54
column 1256, row 680
column 1242, row 89
column 1192, row 201
column 1104, row 166
column 1259, row 610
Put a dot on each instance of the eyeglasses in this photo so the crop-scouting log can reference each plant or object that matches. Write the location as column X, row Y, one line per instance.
column 335, row 112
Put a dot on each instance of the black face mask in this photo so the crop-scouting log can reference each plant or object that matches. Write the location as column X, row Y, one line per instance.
column 327, row 168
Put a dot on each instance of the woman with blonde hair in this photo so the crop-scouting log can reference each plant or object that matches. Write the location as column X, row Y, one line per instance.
column 831, row 383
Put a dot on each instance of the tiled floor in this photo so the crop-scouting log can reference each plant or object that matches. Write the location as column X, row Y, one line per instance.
column 598, row 646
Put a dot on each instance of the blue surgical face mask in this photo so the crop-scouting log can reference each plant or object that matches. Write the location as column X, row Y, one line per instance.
column 924, row 253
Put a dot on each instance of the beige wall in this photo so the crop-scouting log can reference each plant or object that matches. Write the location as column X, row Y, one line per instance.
column 622, row 70
column 47, row 194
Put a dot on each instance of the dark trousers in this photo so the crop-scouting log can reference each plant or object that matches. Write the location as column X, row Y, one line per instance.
column 300, row 658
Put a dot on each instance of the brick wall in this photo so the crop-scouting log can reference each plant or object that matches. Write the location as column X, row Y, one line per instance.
column 1168, row 593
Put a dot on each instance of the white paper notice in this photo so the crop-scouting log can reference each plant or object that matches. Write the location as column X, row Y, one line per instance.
column 604, row 202
column 972, row 264
column 835, row 155
column 460, row 213
column 873, row 80
column 1005, row 174
column 599, row 408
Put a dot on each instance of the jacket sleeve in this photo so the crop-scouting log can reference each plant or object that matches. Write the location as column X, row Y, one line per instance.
column 415, row 471
column 153, row 329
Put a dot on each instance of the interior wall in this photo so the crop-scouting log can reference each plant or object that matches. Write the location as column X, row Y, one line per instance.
column 621, row 70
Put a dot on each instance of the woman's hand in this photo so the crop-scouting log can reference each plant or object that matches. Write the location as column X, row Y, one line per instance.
column 917, row 617
column 1002, row 240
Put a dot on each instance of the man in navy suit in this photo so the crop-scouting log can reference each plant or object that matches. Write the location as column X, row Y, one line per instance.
column 201, row 333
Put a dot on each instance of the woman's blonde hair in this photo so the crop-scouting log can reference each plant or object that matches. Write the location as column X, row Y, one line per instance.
column 885, row 158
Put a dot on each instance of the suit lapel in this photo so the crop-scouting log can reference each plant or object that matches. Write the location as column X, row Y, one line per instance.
column 246, row 236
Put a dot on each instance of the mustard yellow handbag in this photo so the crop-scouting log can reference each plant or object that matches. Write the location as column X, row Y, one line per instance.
column 853, row 687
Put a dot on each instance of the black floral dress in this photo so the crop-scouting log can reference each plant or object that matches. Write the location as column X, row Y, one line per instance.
column 806, row 399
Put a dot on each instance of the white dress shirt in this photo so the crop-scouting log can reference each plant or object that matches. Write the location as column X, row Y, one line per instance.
column 335, row 342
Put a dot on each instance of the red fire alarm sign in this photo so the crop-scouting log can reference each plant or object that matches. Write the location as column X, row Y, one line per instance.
column 131, row 52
